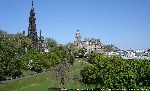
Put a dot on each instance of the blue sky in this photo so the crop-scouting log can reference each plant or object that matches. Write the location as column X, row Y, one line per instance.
column 124, row 23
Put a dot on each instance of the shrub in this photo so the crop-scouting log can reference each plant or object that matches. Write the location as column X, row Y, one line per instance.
column 116, row 73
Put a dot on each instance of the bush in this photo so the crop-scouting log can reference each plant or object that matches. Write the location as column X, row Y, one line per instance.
column 116, row 73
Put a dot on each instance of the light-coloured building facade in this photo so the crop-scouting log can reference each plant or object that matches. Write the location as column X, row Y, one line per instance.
column 90, row 45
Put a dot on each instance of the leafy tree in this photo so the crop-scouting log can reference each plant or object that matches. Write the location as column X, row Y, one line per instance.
column 108, row 48
column 63, row 58
column 12, row 51
column 116, row 73
column 34, row 59
column 60, row 71
column 51, row 43
column 91, row 57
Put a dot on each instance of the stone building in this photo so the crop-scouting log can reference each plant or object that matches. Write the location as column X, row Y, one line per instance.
column 37, row 41
column 90, row 45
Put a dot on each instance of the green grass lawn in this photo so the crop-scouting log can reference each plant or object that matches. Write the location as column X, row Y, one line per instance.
column 31, row 83
column 43, row 81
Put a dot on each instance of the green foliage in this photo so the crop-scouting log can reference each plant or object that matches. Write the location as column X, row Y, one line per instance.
column 45, row 80
column 17, row 54
column 12, row 50
column 108, row 48
column 79, row 53
column 39, row 82
column 34, row 60
column 116, row 73
column 51, row 43
column 91, row 57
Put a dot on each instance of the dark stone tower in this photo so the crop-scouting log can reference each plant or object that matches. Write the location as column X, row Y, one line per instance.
column 32, row 33
column 41, row 43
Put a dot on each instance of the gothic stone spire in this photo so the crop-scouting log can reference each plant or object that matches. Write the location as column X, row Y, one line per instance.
column 32, row 33
column 32, row 3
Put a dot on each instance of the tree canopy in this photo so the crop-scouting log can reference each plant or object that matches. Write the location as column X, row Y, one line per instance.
column 116, row 73
column 17, row 54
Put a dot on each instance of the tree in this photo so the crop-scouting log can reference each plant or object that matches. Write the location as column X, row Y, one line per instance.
column 108, row 48
column 12, row 51
column 116, row 73
column 51, row 43
column 64, row 58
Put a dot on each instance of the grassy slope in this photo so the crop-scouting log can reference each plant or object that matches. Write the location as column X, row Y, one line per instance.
column 75, row 73
column 43, row 81
column 27, row 82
